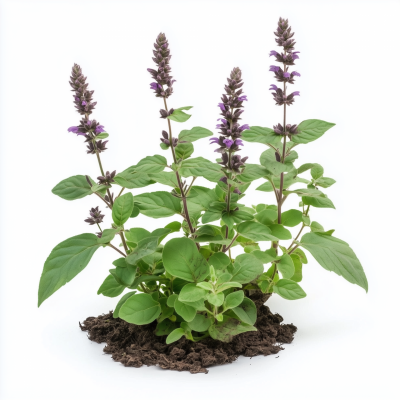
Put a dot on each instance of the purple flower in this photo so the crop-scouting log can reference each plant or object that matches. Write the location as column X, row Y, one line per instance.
column 222, row 120
column 294, row 55
column 294, row 73
column 272, row 53
column 286, row 74
column 222, row 106
column 88, row 122
column 295, row 94
column 228, row 142
column 74, row 129
column 244, row 127
column 242, row 98
column 214, row 140
column 99, row 129
column 237, row 191
column 155, row 86
column 274, row 68
column 84, row 103
column 239, row 142
column 273, row 87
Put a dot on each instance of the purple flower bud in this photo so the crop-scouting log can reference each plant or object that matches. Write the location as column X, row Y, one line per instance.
column 295, row 94
column 73, row 129
column 84, row 103
column 244, row 127
column 228, row 143
column 294, row 73
column 222, row 106
column 242, row 98
column 214, row 140
column 286, row 74
column 153, row 86
column 294, row 55
column 224, row 179
column 222, row 120
column 99, row 129
column 239, row 142
column 237, row 191
column 272, row 53
column 273, row 87
column 274, row 68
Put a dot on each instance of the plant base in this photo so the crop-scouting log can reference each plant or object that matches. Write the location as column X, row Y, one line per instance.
column 135, row 346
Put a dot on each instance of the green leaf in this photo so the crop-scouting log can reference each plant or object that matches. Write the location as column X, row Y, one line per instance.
column 255, row 231
column 304, row 168
column 291, row 218
column 335, row 255
column 191, row 292
column 158, row 204
column 305, row 192
column 182, row 259
column 310, row 130
column 121, row 302
column 280, row 232
column 150, row 164
column 298, row 268
column 233, row 300
column 178, row 115
column 107, row 236
column 200, row 323
column 165, row 178
column 184, row 150
column 216, row 299
column 65, row 261
column 285, row 266
column 124, row 275
column 317, row 171
column 302, row 255
column 219, row 260
column 165, row 327
column 325, row 182
column 253, row 172
column 265, row 256
column 200, row 166
column 210, row 216
column 246, row 268
column 316, row 227
column 110, row 287
column 289, row 290
column 174, row 226
column 135, row 235
column 229, row 327
column 194, row 134
column 175, row 335
column 144, row 248
column 266, row 217
column 133, row 180
column 268, row 160
column 73, row 188
column 166, row 311
column 228, row 285
column 246, row 311
column 319, row 202
column 202, row 201
column 257, row 134
column 171, row 300
column 140, row 309
column 135, row 212
column 186, row 311
column 122, row 208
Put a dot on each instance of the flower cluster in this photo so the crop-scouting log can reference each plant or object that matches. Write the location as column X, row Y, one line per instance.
column 107, row 179
column 84, row 105
column 96, row 217
column 229, row 128
column 284, row 38
column 166, row 141
column 162, row 74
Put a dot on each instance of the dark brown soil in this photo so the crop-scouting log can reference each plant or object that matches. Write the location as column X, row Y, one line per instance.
column 134, row 345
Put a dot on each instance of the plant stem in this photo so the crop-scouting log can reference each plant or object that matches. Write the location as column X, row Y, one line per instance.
column 183, row 194
column 99, row 228
column 108, row 205
column 301, row 230
column 119, row 251
column 123, row 241
column 119, row 194
column 230, row 244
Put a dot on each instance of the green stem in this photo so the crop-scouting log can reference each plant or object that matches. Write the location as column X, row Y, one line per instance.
column 123, row 241
column 119, row 251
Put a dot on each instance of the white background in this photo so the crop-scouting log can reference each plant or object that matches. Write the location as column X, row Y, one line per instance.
column 347, row 343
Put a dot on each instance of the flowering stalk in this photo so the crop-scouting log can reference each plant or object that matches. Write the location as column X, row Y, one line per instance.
column 284, row 38
column 230, row 134
column 163, row 78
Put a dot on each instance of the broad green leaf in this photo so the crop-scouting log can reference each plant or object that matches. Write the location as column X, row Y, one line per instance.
column 120, row 262
column 110, row 287
column 291, row 218
column 318, row 202
column 219, row 260
column 246, row 311
column 265, row 256
column 165, row 327
column 317, row 171
column 150, row 164
column 205, row 285
column 256, row 231
column 266, row 217
column 285, row 266
column 158, row 204
column 140, row 309
column 135, row 212
column 289, row 179
column 280, row 232
column 310, row 130
column 305, row 167
column 233, row 300
column 302, row 255
column 229, row 327
column 305, row 192
column 191, row 293
column 253, row 172
column 135, row 235
column 122, row 208
column 165, row 178
column 200, row 323
column 228, row 285
column 202, row 201
column 133, row 180
column 124, row 275
column 186, row 311
column 246, row 268
column 175, row 335
column 257, row 134
column 216, row 299
column 298, row 268
column 316, row 227
column 73, row 188
column 171, row 300
column 144, row 248
column 200, row 166
column 166, row 311
column 289, row 290
column 194, row 134
column 178, row 115
column 210, row 216
column 121, row 302
column 65, row 261
column 184, row 151
column 268, row 160
column 325, row 182
column 182, row 259
column 335, row 255
column 107, row 236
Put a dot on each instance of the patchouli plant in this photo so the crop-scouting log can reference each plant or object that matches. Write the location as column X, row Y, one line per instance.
column 191, row 285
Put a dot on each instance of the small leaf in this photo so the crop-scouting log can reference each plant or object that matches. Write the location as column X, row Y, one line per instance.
column 233, row 300
column 257, row 134
column 107, row 236
column 256, row 231
column 194, row 134
column 200, row 323
column 291, row 218
column 219, row 260
column 246, row 311
column 310, row 130
column 121, row 302
column 184, row 150
column 158, row 204
column 73, row 188
column 178, row 115
column 186, row 311
column 289, row 290
column 317, row 171
column 246, row 268
column 122, row 208
column 285, row 266
column 175, row 335
column 318, row 202
column 140, row 309
column 191, row 292
column 229, row 327
column 216, row 299
column 110, row 287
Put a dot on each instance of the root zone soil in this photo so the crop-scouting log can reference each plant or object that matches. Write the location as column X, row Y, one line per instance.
column 135, row 346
